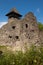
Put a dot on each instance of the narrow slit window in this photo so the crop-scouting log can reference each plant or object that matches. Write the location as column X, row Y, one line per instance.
column 26, row 25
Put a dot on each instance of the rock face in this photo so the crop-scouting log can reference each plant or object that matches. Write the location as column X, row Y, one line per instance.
column 19, row 32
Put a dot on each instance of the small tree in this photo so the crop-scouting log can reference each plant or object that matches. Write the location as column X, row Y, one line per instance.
column 40, row 25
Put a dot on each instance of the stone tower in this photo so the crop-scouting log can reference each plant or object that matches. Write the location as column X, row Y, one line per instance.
column 13, row 14
column 19, row 32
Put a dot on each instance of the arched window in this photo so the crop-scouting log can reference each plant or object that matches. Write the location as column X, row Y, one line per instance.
column 26, row 25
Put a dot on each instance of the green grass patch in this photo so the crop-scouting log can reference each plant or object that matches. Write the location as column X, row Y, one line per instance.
column 32, row 56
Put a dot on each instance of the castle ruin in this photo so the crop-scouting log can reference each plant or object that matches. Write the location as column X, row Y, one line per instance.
column 19, row 31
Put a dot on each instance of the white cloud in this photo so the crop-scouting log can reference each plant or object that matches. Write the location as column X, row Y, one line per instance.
column 2, row 23
column 38, row 10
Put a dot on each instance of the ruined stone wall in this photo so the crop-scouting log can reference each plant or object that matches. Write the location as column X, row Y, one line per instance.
column 19, row 33
column 41, row 36
column 11, row 32
column 30, row 29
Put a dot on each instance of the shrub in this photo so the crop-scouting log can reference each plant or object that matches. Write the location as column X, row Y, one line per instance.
column 32, row 56
column 40, row 25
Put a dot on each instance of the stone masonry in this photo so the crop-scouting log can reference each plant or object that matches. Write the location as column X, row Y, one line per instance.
column 20, row 32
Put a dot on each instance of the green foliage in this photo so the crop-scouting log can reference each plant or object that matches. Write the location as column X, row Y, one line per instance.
column 32, row 56
column 40, row 25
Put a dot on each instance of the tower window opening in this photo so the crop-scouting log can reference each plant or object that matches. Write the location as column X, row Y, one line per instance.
column 17, row 37
column 13, row 27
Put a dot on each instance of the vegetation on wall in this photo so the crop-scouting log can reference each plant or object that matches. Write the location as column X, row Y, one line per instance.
column 33, row 56
column 40, row 25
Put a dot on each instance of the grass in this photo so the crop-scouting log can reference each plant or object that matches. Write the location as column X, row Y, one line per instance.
column 32, row 56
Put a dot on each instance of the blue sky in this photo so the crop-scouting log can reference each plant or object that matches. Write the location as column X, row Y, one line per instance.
column 23, row 6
